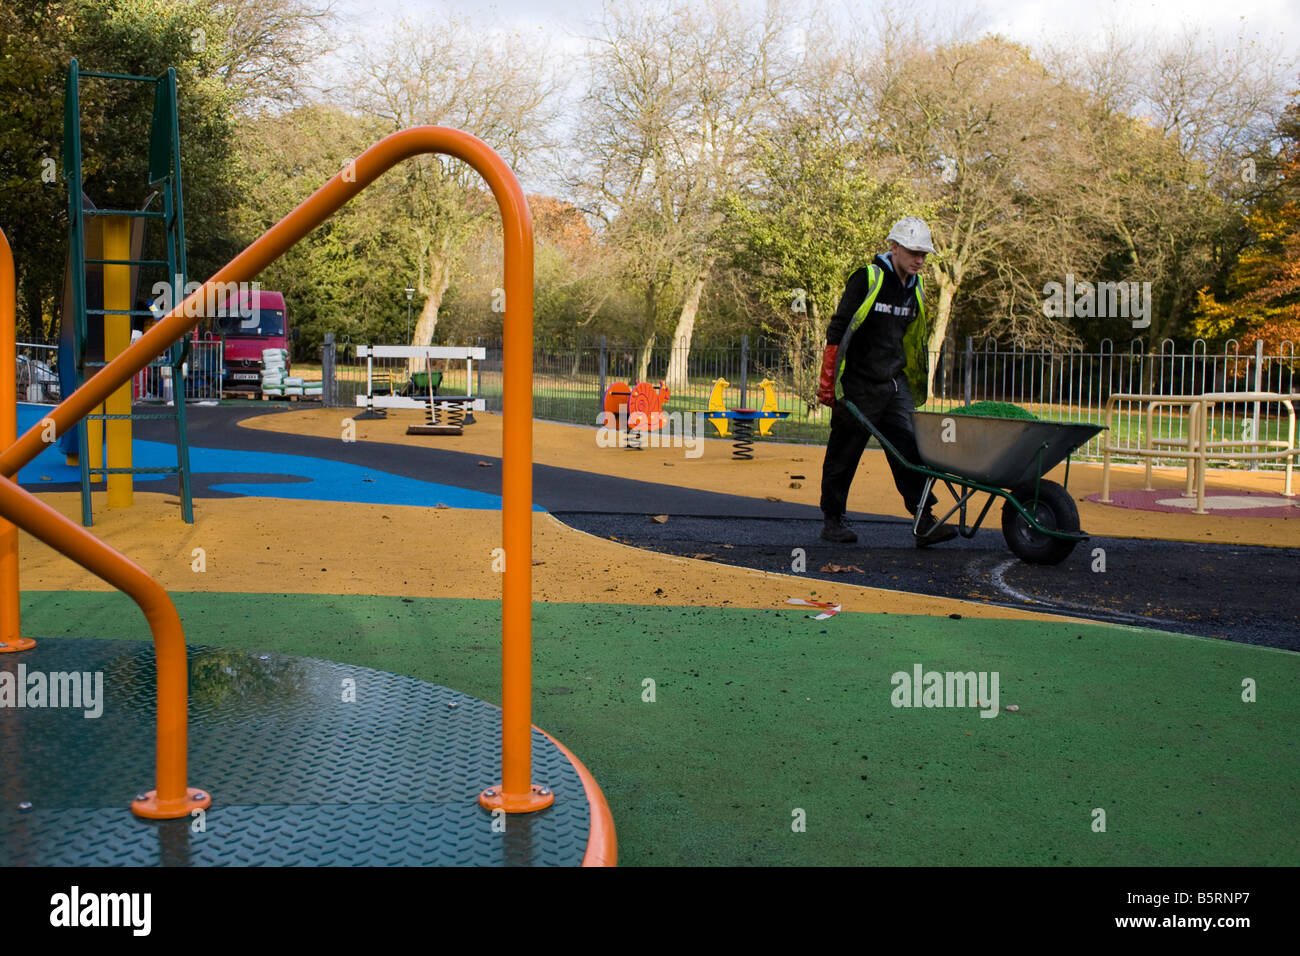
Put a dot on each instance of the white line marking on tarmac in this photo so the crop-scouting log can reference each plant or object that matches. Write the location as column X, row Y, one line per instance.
column 1143, row 621
column 1007, row 589
column 1055, row 602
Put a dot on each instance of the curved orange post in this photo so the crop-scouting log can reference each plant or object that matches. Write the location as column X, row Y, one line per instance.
column 11, row 639
column 172, row 798
column 515, row 794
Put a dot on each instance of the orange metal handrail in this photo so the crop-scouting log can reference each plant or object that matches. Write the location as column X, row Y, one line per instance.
column 171, row 798
column 11, row 639
column 516, row 793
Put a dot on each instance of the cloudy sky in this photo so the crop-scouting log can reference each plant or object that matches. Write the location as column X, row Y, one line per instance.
column 1039, row 24
column 1026, row 20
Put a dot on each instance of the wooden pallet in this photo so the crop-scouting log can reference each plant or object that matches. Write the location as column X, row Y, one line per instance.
column 293, row 398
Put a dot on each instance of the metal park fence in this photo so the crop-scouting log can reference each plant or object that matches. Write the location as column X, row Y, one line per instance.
column 204, row 372
column 37, row 375
column 1075, row 385
column 1070, row 385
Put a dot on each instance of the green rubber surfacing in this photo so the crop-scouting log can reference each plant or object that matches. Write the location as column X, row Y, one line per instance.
column 760, row 714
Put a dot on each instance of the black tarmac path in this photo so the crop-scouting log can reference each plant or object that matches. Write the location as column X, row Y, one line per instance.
column 1229, row 592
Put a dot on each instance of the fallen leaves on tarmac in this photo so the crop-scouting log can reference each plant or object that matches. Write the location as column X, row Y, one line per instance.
column 841, row 569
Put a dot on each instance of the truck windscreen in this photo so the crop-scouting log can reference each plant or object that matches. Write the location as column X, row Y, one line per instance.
column 267, row 322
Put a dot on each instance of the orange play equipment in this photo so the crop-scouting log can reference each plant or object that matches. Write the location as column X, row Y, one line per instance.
column 171, row 798
column 635, row 410
column 11, row 640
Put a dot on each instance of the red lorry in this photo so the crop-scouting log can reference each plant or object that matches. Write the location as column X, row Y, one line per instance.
column 262, row 324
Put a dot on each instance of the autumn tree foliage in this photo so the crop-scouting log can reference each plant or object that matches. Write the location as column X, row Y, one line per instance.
column 1260, row 299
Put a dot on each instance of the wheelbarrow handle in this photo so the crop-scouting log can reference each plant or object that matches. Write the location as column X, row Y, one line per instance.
column 886, row 444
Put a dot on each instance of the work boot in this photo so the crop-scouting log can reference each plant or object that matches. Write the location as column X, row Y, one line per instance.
column 929, row 531
column 836, row 530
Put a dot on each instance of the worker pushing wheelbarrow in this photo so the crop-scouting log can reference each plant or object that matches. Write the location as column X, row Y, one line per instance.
column 874, row 362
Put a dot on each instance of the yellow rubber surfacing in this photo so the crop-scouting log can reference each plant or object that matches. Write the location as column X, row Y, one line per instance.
column 770, row 474
column 270, row 546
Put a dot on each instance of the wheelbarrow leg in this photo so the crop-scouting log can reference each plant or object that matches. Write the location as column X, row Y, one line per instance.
column 921, row 509
column 963, row 498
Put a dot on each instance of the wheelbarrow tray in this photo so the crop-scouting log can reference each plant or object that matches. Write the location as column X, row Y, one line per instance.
column 419, row 384
column 1003, row 458
column 999, row 452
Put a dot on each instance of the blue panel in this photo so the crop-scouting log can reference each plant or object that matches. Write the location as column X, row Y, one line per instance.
column 311, row 479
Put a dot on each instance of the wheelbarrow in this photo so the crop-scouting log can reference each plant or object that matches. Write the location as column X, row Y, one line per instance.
column 1004, row 458
column 418, row 386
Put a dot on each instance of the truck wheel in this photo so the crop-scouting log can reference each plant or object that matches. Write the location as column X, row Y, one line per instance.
column 1056, row 510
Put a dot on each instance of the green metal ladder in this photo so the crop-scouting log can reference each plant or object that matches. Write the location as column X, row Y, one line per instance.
column 165, row 173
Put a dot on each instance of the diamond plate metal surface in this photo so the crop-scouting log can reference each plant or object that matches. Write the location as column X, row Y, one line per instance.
column 299, row 776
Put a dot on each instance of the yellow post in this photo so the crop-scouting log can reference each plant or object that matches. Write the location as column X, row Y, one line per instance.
column 10, row 639
column 117, row 336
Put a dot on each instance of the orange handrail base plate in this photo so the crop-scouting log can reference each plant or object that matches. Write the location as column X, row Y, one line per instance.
column 16, row 645
column 537, row 798
column 148, row 805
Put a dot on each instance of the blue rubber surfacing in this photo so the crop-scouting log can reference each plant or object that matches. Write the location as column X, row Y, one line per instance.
column 311, row 479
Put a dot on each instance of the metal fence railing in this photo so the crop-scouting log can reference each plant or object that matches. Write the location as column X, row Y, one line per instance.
column 1074, row 385
column 204, row 371
column 37, row 375
column 1056, row 385
column 203, row 374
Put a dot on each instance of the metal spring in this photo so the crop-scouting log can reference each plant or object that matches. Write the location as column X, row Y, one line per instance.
column 633, row 440
column 451, row 414
column 743, row 429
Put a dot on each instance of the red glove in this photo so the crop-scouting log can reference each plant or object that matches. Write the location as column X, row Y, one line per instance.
column 826, row 384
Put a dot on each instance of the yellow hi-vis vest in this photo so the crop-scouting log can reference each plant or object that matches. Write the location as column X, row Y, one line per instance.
column 915, row 341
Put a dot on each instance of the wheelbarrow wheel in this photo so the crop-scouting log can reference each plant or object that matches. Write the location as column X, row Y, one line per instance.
column 1056, row 510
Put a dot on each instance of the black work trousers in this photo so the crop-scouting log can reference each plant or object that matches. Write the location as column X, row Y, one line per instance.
column 891, row 414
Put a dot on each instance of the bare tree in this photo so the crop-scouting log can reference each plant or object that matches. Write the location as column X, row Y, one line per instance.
column 1174, row 122
column 1219, row 100
column 985, row 133
column 487, row 82
column 740, row 72
column 634, row 111
column 268, row 44
column 676, row 95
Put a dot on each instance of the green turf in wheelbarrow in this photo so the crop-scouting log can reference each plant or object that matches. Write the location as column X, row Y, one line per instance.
column 1000, row 452
column 420, row 382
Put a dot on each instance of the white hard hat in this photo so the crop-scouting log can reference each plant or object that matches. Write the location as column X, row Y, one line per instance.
column 911, row 232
